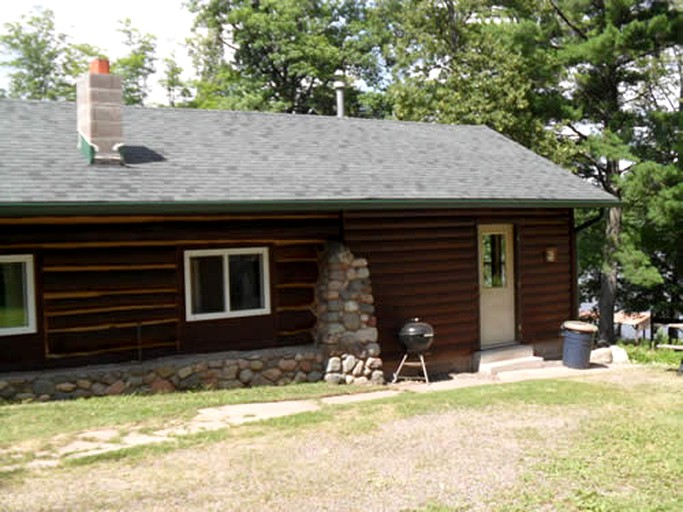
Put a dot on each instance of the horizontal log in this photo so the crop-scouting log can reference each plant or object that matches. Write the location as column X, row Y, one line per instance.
column 397, row 233
column 397, row 246
column 305, row 307
column 282, row 286
column 140, row 219
column 110, row 256
column 446, row 268
column 104, row 293
column 110, row 309
column 352, row 226
column 293, row 332
column 105, row 327
column 161, row 243
column 110, row 268
column 130, row 348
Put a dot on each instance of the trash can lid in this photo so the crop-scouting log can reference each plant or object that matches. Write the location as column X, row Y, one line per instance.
column 576, row 325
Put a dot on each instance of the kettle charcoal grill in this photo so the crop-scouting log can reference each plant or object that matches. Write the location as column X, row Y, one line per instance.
column 416, row 337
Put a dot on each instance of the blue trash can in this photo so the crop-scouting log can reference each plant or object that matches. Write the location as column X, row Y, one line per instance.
column 578, row 343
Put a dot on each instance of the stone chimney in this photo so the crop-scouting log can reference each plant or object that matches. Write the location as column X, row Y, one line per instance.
column 99, row 98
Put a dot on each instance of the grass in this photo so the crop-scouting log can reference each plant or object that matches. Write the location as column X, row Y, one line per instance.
column 627, row 458
column 42, row 421
column 622, row 452
column 643, row 354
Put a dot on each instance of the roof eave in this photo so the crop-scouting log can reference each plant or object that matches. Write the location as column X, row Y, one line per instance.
column 185, row 207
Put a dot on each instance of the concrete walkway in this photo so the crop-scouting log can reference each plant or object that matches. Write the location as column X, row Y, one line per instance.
column 97, row 442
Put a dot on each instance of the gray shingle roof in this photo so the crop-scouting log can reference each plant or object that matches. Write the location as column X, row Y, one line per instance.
column 184, row 156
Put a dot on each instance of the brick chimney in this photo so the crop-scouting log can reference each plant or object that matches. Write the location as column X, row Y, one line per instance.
column 99, row 99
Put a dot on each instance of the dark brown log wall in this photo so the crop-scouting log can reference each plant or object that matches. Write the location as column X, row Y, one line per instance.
column 546, row 291
column 424, row 263
column 111, row 290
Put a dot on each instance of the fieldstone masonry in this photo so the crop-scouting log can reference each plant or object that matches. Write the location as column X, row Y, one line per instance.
column 223, row 370
column 347, row 327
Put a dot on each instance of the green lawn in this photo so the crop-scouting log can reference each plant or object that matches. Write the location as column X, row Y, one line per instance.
column 35, row 422
column 615, row 443
column 646, row 355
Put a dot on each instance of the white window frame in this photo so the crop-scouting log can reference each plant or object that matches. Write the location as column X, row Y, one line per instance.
column 227, row 313
column 27, row 260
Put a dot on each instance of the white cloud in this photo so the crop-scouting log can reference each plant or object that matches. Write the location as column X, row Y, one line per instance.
column 96, row 22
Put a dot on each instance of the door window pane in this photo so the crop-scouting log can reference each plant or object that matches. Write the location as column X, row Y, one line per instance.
column 494, row 260
column 208, row 288
column 246, row 282
column 13, row 295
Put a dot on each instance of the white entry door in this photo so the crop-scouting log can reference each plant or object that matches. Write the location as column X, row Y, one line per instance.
column 496, row 285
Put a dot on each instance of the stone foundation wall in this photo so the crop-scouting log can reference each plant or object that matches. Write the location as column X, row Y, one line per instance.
column 222, row 370
column 347, row 326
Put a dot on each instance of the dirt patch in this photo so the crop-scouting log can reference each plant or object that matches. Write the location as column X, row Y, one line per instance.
column 455, row 458
column 460, row 458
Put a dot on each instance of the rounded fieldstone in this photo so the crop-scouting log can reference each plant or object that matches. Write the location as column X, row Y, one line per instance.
column 362, row 273
column 66, row 387
column 350, row 306
column 334, row 378
column 272, row 374
column 359, row 262
column 361, row 381
column 40, row 387
column 349, row 363
column 348, row 379
column 315, row 376
column 256, row 365
column 98, row 388
column 185, row 372
column 358, row 369
column 377, row 377
column 369, row 334
column 287, row 365
column 335, row 328
column 246, row 375
column 374, row 363
column 335, row 305
column 300, row 377
column 333, row 365
column 165, row 371
column 351, row 321
column 86, row 384
column 373, row 349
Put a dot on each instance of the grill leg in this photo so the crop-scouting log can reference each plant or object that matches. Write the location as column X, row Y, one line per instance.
column 424, row 368
column 398, row 371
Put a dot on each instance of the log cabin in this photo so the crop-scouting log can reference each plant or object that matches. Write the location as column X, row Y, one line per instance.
column 130, row 232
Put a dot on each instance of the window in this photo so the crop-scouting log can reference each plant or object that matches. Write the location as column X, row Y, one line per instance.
column 17, row 302
column 494, row 260
column 224, row 283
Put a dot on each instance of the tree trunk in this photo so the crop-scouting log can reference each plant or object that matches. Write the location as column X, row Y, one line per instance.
column 608, row 277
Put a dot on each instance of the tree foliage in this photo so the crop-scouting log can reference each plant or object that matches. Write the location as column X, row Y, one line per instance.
column 613, row 55
column 135, row 67
column 282, row 55
column 44, row 63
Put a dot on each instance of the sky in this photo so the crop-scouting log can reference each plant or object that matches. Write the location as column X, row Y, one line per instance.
column 96, row 22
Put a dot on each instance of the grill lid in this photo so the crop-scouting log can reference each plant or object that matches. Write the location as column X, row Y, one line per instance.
column 417, row 336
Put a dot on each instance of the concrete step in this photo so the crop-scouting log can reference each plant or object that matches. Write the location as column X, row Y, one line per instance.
column 484, row 357
column 518, row 363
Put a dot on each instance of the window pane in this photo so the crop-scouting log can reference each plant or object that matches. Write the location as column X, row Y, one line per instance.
column 246, row 282
column 208, row 289
column 494, row 261
column 13, row 295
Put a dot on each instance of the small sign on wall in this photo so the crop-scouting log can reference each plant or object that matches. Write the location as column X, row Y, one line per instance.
column 551, row 254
